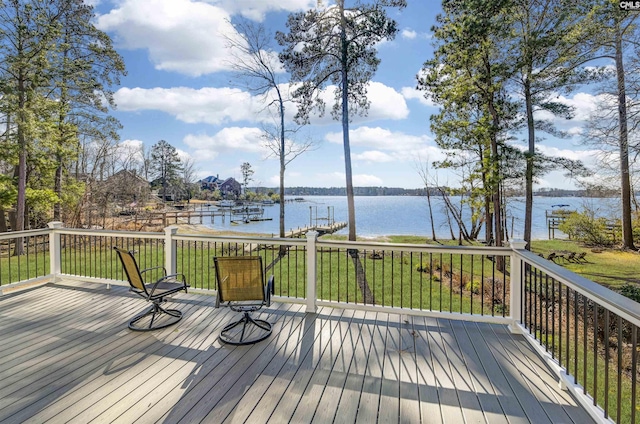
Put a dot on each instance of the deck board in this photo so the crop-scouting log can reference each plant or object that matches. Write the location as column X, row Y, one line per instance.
column 347, row 410
column 281, row 405
column 308, row 404
column 478, row 376
column 67, row 356
column 371, row 386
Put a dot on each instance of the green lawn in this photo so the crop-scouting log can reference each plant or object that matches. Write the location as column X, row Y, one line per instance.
column 611, row 268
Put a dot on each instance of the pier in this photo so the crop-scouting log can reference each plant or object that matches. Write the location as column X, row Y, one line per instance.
column 322, row 229
column 555, row 217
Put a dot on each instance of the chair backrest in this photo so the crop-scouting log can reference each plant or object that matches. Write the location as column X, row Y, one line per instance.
column 240, row 278
column 131, row 269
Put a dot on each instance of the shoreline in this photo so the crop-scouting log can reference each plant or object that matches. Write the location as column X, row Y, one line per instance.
column 194, row 229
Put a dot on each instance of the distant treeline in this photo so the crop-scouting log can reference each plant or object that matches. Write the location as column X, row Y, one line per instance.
column 341, row 191
column 398, row 191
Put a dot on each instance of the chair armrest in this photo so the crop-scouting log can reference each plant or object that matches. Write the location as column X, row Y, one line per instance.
column 155, row 267
column 269, row 290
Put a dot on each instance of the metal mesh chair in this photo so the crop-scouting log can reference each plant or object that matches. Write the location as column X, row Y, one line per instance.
column 242, row 288
column 155, row 317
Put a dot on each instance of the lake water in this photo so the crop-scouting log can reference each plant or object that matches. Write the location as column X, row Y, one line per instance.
column 406, row 215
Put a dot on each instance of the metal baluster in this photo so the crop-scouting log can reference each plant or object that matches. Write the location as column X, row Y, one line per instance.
column 619, row 391
column 461, row 282
column 606, row 362
column 584, row 345
column 595, row 353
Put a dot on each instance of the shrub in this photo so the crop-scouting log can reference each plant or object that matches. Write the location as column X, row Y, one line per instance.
column 632, row 291
column 586, row 228
column 423, row 267
column 473, row 286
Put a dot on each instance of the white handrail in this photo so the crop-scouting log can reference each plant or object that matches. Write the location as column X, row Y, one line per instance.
column 614, row 302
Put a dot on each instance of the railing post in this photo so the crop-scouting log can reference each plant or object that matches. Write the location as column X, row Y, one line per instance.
column 312, row 237
column 55, row 250
column 170, row 254
column 515, row 306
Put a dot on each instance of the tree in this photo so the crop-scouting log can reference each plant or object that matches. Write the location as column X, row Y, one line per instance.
column 467, row 77
column 28, row 32
column 247, row 176
column 256, row 67
column 336, row 47
column 85, row 66
column 166, row 165
column 621, row 26
column 54, row 73
column 549, row 46
column 423, row 171
column 189, row 179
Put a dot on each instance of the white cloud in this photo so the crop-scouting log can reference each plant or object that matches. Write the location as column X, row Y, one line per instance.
column 364, row 180
column 409, row 33
column 573, row 131
column 132, row 145
column 387, row 146
column 219, row 105
column 205, row 105
column 180, row 35
column 381, row 139
column 412, row 93
column 184, row 156
column 186, row 36
column 373, row 156
column 227, row 140
column 586, row 156
column 256, row 9
column 385, row 103
column 584, row 105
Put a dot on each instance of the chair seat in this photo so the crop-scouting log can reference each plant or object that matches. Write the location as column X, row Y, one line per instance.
column 164, row 288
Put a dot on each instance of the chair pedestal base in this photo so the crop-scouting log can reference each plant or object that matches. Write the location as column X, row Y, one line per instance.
column 253, row 331
column 158, row 317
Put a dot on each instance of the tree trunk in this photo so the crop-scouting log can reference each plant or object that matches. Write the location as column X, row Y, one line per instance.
column 488, row 216
column 627, row 231
column 22, row 167
column 3, row 221
column 57, row 214
column 367, row 296
column 345, row 125
column 528, row 208
column 433, row 227
column 283, row 248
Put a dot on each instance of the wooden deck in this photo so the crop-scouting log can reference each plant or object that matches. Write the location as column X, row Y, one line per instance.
column 66, row 355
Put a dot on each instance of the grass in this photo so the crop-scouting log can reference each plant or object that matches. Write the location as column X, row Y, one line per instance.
column 609, row 267
column 592, row 373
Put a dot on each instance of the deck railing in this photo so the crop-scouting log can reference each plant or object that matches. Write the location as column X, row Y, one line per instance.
column 24, row 257
column 587, row 332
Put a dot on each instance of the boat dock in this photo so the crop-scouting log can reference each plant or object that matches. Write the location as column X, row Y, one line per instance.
column 555, row 217
column 322, row 229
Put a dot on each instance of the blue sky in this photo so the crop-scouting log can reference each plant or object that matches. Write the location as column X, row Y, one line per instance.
column 178, row 88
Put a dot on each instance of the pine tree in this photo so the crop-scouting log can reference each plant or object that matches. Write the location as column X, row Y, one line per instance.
column 165, row 165
column 337, row 46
